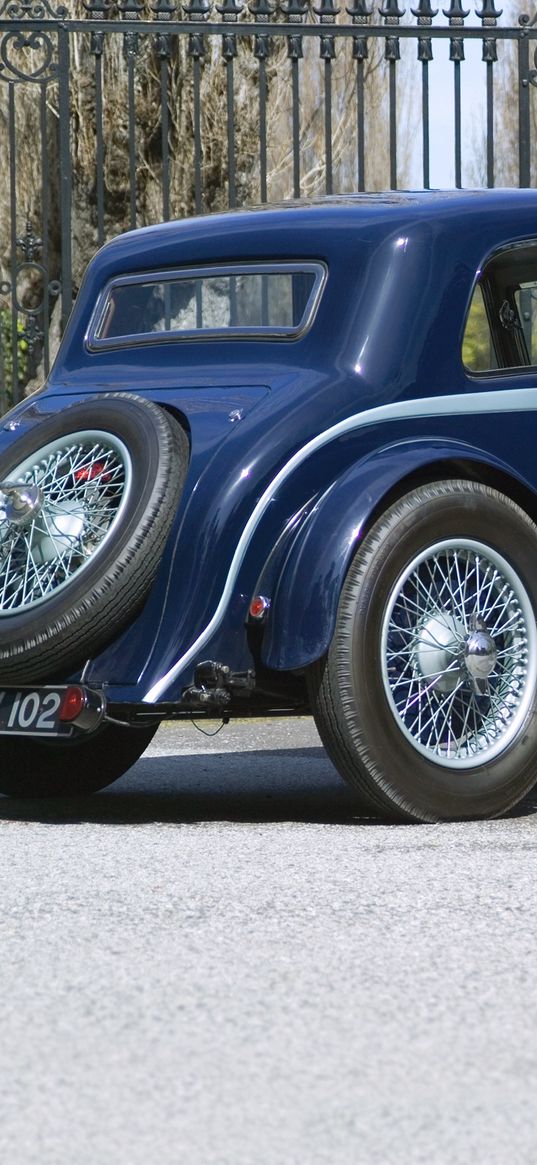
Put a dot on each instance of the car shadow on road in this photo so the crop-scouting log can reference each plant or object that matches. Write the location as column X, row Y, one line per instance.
column 256, row 786
column 252, row 787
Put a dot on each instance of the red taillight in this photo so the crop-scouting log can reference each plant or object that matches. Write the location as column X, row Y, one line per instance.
column 73, row 703
column 89, row 472
column 259, row 606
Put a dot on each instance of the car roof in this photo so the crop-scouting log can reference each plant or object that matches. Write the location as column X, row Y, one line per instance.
column 411, row 204
column 318, row 225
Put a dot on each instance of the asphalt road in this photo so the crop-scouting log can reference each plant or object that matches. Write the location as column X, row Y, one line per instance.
column 215, row 962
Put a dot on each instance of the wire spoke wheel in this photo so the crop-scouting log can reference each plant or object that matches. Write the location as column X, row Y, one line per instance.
column 459, row 653
column 83, row 484
column 88, row 496
column 427, row 698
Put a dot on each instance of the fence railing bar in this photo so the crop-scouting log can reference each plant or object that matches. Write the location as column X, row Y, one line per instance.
column 196, row 111
column 97, row 48
column 360, row 52
column 262, row 86
column 425, row 123
column 4, row 401
column 45, row 220
column 163, row 45
column 295, row 99
column 131, row 48
column 230, row 118
column 524, row 171
column 269, row 28
column 66, row 182
column 457, row 123
column 12, row 134
column 490, row 124
column 328, row 125
column 392, row 66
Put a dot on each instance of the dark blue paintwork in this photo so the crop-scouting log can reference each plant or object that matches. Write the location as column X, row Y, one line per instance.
column 401, row 269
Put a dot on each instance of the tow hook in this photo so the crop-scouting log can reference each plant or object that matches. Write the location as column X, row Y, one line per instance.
column 214, row 685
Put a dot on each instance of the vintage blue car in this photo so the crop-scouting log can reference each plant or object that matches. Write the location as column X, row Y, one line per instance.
column 286, row 462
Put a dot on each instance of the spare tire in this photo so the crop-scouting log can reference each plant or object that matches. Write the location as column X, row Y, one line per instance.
column 87, row 499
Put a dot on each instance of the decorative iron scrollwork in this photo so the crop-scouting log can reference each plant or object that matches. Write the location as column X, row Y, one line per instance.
column 230, row 9
column 391, row 11
column 327, row 11
column 30, row 273
column 490, row 51
column 424, row 12
column 131, row 43
column 359, row 11
column 163, row 9
column 489, row 12
column 261, row 9
column 360, row 48
column 295, row 11
column 29, row 243
column 96, row 8
column 294, row 48
column 229, row 47
column 23, row 323
column 456, row 13
column 130, row 9
column 196, row 46
column 15, row 48
column 197, row 9
column 32, row 10
column 392, row 51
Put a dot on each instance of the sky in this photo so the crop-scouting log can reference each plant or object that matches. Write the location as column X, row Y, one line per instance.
column 473, row 103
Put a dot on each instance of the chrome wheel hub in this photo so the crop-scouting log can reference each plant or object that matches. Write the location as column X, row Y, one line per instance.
column 459, row 653
column 21, row 503
column 480, row 656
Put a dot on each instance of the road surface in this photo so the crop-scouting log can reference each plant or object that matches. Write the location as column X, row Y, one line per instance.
column 216, row 962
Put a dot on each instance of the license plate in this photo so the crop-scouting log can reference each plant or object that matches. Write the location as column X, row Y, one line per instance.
column 33, row 712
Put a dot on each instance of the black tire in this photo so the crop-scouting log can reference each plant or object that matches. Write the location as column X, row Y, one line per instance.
column 426, row 701
column 109, row 473
column 70, row 768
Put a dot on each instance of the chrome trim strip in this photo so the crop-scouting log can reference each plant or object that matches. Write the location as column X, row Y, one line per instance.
column 498, row 401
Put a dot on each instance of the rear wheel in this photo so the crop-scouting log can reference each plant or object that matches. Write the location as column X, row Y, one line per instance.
column 426, row 701
column 70, row 768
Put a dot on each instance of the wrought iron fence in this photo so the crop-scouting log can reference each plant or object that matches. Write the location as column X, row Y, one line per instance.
column 116, row 114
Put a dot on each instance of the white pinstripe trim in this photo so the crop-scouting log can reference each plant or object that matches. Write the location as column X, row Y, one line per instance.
column 499, row 401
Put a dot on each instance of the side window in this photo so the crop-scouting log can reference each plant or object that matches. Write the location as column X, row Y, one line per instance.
column 477, row 345
column 501, row 327
column 526, row 302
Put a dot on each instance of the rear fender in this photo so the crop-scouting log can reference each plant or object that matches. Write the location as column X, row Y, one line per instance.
column 305, row 595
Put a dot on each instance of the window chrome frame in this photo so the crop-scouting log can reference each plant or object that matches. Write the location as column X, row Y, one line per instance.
column 96, row 343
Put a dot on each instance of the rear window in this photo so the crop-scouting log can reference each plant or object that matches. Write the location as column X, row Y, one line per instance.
column 246, row 301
